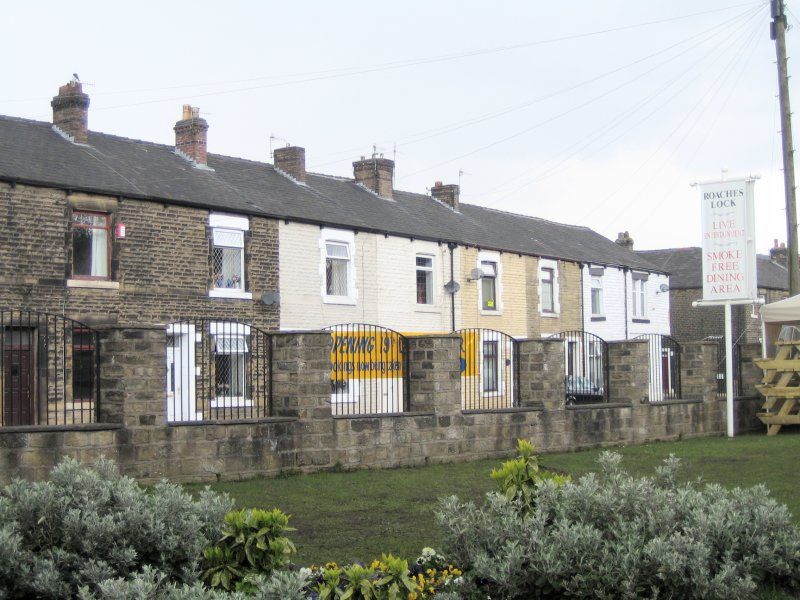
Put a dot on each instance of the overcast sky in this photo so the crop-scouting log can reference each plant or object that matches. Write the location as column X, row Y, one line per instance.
column 601, row 114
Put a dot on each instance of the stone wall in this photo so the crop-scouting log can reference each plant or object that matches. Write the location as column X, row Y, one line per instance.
column 301, row 434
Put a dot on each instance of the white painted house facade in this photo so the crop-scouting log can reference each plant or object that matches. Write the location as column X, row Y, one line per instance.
column 621, row 303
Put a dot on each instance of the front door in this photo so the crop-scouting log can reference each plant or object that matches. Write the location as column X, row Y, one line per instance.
column 18, row 373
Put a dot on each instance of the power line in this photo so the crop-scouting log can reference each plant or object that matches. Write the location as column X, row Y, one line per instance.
column 442, row 130
column 310, row 76
column 714, row 89
column 613, row 123
column 550, row 119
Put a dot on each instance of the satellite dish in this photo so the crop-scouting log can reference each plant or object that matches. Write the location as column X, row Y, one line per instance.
column 663, row 288
column 271, row 298
column 451, row 287
column 475, row 274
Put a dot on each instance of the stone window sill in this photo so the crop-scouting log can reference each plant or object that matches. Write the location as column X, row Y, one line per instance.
column 640, row 320
column 598, row 318
column 339, row 300
column 94, row 284
column 491, row 313
column 550, row 315
column 228, row 293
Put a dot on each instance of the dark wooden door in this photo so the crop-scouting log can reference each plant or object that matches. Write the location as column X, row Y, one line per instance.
column 18, row 385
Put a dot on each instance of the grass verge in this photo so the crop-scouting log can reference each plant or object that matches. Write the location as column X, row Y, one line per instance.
column 356, row 516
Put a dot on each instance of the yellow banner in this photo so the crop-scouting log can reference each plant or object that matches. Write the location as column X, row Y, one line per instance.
column 366, row 355
column 469, row 353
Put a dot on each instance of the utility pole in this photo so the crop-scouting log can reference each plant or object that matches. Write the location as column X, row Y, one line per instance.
column 778, row 33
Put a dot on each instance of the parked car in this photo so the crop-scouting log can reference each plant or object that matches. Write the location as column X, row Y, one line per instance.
column 583, row 390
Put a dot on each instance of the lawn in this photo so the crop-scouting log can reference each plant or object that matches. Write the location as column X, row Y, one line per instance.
column 355, row 516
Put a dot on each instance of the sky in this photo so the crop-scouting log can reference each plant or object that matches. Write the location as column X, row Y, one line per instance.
column 601, row 114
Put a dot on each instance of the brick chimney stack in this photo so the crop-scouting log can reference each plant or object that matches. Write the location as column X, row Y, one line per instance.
column 446, row 193
column 291, row 160
column 191, row 135
column 779, row 253
column 375, row 174
column 625, row 240
column 71, row 111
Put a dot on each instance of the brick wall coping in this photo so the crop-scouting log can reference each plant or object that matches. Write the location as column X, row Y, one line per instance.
column 134, row 326
column 50, row 428
column 678, row 401
column 265, row 420
column 416, row 413
column 296, row 331
column 513, row 409
column 600, row 406
column 438, row 336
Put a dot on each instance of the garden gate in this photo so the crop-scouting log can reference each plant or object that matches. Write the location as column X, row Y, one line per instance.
column 586, row 367
column 48, row 366
column 489, row 369
column 664, row 362
column 217, row 369
column 369, row 372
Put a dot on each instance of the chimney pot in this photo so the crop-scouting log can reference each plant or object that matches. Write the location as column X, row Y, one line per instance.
column 375, row 174
column 292, row 161
column 71, row 111
column 779, row 253
column 625, row 240
column 191, row 135
column 448, row 194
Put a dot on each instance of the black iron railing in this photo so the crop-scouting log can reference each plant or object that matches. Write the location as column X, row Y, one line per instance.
column 489, row 369
column 49, row 369
column 218, row 369
column 721, row 375
column 664, row 361
column 369, row 372
column 586, row 367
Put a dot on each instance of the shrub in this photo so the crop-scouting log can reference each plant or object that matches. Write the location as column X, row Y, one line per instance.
column 517, row 478
column 152, row 585
column 253, row 542
column 86, row 525
column 615, row 536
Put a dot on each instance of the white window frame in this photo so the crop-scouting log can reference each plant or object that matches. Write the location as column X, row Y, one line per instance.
column 417, row 268
column 230, row 331
column 233, row 224
column 493, row 257
column 553, row 265
column 344, row 237
column 592, row 287
column 639, row 299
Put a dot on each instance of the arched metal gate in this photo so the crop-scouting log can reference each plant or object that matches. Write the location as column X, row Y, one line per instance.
column 48, row 369
column 665, row 367
column 489, row 369
column 586, row 367
column 369, row 369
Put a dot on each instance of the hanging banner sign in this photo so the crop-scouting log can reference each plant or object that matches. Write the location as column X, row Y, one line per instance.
column 729, row 255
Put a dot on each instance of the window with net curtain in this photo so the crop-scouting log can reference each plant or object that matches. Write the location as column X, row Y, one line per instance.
column 90, row 255
column 489, row 285
column 424, row 280
column 597, row 296
column 639, row 298
column 337, row 268
column 228, row 259
column 548, row 298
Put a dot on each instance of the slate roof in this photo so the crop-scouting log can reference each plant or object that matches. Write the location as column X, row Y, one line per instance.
column 32, row 152
column 685, row 266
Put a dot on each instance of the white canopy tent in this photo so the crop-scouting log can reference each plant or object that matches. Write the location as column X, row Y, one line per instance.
column 773, row 317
